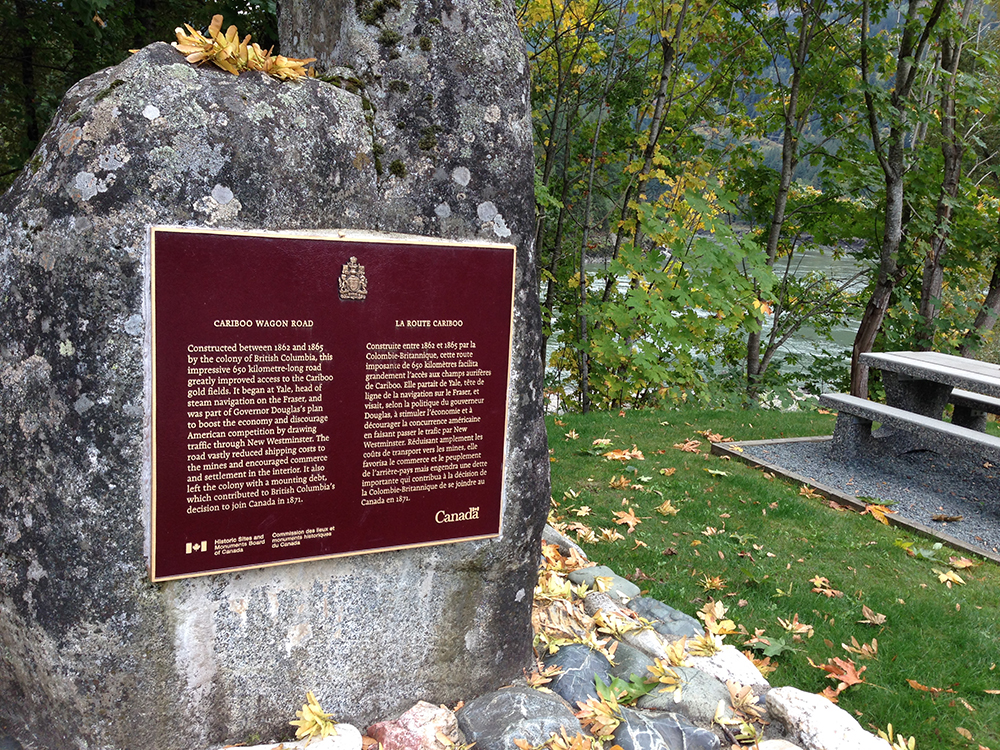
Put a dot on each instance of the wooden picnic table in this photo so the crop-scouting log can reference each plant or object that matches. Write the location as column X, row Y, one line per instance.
column 918, row 386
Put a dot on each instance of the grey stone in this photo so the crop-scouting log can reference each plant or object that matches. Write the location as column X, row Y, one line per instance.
column 666, row 620
column 495, row 720
column 580, row 666
column 815, row 723
column 631, row 662
column 211, row 660
column 644, row 730
column 698, row 699
column 565, row 544
column 621, row 588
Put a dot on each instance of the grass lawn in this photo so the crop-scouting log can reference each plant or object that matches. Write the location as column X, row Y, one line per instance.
column 790, row 569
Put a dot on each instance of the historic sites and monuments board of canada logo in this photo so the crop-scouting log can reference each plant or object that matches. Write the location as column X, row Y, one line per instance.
column 316, row 396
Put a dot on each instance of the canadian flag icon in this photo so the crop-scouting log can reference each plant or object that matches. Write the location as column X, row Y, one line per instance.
column 196, row 547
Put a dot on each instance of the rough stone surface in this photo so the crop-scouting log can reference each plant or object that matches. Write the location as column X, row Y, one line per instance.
column 347, row 738
column 630, row 661
column 731, row 664
column 698, row 700
column 645, row 730
column 580, row 666
column 666, row 620
column 157, row 141
column 495, row 720
column 777, row 745
column 621, row 588
column 814, row 723
column 563, row 542
column 419, row 729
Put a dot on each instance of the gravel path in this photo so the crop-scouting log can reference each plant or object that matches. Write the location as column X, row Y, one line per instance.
column 920, row 485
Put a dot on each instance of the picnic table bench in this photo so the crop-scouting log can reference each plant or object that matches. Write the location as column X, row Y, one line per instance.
column 919, row 385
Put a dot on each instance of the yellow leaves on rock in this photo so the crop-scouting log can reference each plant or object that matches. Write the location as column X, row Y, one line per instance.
column 664, row 674
column 843, row 671
column 764, row 665
column 677, row 653
column 312, row 721
column 744, row 701
column 600, row 718
column 560, row 741
column 705, row 645
column 228, row 52
column 713, row 614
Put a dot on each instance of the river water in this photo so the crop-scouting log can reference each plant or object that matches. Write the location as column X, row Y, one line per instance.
column 805, row 344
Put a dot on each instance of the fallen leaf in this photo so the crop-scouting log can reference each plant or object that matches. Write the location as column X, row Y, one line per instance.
column 717, row 473
column 627, row 518
column 878, row 512
column 619, row 483
column 688, row 446
column 822, row 586
column 668, row 472
column 572, row 435
column 964, row 732
column 807, row 491
column 960, row 563
column 935, row 692
column 949, row 577
column 871, row 617
column 942, row 518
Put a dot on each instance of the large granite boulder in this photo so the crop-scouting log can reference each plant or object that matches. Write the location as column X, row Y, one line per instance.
column 94, row 654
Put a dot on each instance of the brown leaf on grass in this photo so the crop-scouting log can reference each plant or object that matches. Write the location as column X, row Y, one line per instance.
column 948, row 577
column 667, row 508
column 625, row 455
column 627, row 518
column 583, row 532
column 844, row 671
column 871, row 617
column 714, row 437
column 619, row 483
column 964, row 732
column 807, row 491
column 668, row 472
column 669, row 551
column 961, row 563
column 688, row 446
column 836, row 506
column 863, row 650
column 822, row 586
column 796, row 628
column 935, row 692
column 942, row 518
column 830, row 694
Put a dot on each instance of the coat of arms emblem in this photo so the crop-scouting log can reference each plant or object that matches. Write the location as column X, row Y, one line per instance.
column 353, row 284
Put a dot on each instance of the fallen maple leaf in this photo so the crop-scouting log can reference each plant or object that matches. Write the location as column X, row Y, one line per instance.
column 878, row 512
column 629, row 518
column 668, row 472
column 863, row 650
column 822, row 586
column 949, row 577
column 666, row 508
column 807, row 491
column 610, row 535
column 688, row 446
column 960, row 563
column 844, row 671
column 572, row 435
column 625, row 455
column 602, row 441
column 619, row 483
column 871, row 617
column 583, row 510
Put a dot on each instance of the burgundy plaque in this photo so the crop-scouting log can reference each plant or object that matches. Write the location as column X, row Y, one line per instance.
column 315, row 397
